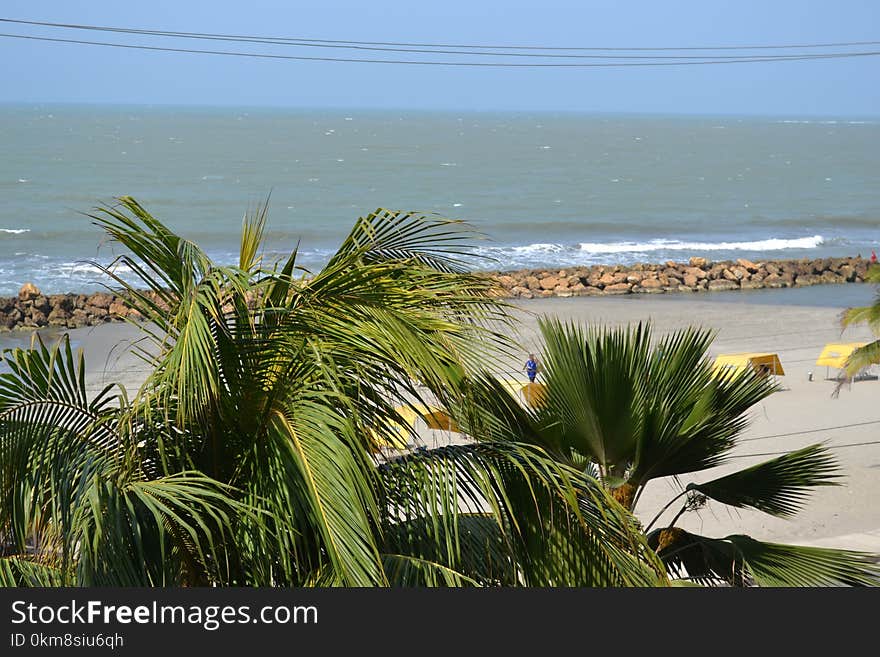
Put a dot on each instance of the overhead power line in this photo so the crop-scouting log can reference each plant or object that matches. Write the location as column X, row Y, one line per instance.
column 340, row 42
column 802, row 433
column 229, row 53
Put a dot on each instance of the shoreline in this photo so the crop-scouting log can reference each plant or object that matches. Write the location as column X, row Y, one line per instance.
column 32, row 309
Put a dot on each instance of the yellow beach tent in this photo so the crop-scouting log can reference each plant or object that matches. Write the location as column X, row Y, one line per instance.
column 535, row 394
column 531, row 394
column 759, row 362
column 435, row 418
column 398, row 439
column 835, row 354
column 514, row 387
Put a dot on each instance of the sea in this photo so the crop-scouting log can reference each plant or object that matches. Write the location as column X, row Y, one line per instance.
column 538, row 189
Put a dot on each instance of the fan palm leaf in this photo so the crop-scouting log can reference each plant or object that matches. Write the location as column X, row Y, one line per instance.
column 741, row 561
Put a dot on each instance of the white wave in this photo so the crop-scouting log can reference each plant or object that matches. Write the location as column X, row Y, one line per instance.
column 24, row 180
column 538, row 248
column 69, row 269
column 772, row 244
column 15, row 231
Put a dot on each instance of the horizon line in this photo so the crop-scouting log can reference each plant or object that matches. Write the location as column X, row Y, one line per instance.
column 438, row 110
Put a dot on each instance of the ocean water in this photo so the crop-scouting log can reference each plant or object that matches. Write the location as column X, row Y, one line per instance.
column 544, row 190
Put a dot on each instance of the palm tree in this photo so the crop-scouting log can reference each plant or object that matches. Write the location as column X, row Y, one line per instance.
column 870, row 315
column 628, row 411
column 247, row 456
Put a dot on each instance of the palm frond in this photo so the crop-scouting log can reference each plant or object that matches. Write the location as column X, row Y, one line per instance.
column 252, row 229
column 779, row 486
column 557, row 527
column 430, row 240
column 742, row 561
column 862, row 357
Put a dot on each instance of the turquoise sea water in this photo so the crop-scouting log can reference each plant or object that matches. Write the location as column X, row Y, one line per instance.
column 545, row 189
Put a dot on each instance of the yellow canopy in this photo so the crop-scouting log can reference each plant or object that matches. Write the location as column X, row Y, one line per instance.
column 535, row 394
column 835, row 354
column 397, row 440
column 532, row 394
column 435, row 418
column 514, row 387
column 759, row 362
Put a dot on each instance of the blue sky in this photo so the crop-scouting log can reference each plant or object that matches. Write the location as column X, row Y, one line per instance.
column 48, row 72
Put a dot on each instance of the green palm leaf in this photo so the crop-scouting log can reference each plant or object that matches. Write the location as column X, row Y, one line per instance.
column 742, row 561
column 778, row 487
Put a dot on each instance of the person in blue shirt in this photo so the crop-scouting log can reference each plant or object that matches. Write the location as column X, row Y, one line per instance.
column 532, row 367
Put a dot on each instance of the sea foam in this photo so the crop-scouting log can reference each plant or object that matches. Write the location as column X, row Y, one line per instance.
column 771, row 244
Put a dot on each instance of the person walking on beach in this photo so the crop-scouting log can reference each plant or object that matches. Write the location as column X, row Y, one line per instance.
column 531, row 368
column 873, row 257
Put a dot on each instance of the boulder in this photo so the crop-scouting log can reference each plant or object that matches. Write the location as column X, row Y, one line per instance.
column 58, row 317
column 774, row 281
column 722, row 284
column 805, row 280
column 549, row 283
column 35, row 318
column 634, row 277
column 748, row 265
column 28, row 292
column 101, row 300
column 698, row 262
column 696, row 272
column 618, row 288
column 848, row 272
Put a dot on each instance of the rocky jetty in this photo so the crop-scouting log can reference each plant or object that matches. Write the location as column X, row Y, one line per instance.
column 32, row 309
column 696, row 275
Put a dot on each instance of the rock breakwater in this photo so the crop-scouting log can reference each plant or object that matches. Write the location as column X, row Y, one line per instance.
column 32, row 309
column 696, row 275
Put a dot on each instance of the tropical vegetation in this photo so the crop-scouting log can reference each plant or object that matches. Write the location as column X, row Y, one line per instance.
column 248, row 456
column 868, row 354
column 627, row 410
column 252, row 453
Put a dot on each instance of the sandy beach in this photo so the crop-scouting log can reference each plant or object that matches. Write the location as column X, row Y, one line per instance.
column 805, row 412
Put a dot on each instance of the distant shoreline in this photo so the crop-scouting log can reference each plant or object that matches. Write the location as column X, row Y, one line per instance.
column 32, row 309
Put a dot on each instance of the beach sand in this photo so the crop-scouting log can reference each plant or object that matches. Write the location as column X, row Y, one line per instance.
column 805, row 412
